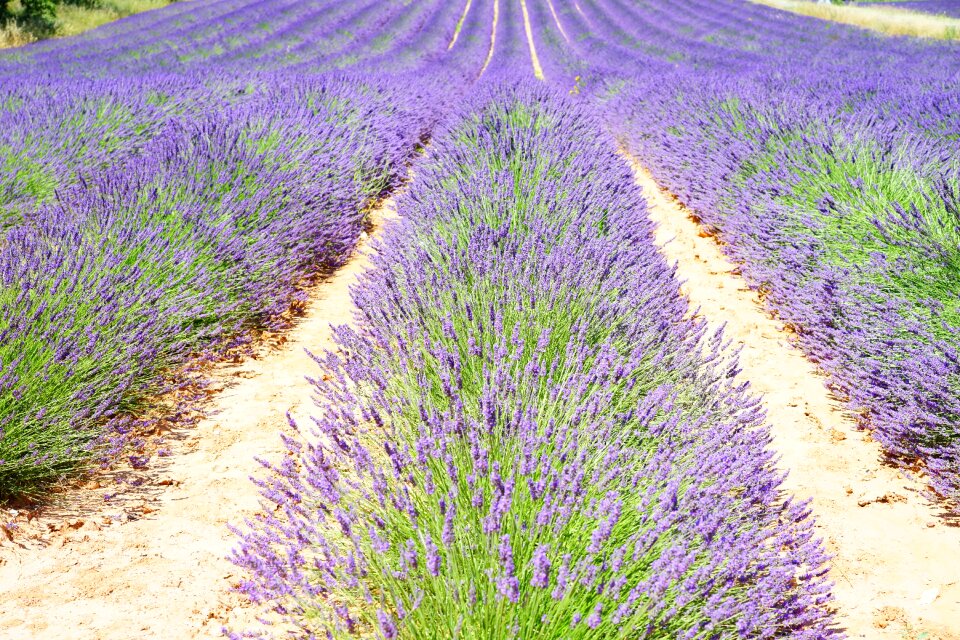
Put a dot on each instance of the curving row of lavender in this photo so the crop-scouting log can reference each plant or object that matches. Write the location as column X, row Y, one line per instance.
column 524, row 437
column 827, row 158
column 169, row 181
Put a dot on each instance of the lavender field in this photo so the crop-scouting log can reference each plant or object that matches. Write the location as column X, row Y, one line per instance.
column 527, row 430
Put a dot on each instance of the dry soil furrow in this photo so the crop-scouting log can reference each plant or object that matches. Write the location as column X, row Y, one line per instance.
column 493, row 37
column 456, row 32
column 895, row 563
column 165, row 574
column 534, row 59
column 556, row 20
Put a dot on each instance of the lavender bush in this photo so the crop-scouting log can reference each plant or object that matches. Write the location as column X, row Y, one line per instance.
column 524, row 437
column 826, row 157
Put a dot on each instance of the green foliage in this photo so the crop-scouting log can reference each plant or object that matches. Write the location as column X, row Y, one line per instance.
column 40, row 15
column 861, row 205
column 24, row 21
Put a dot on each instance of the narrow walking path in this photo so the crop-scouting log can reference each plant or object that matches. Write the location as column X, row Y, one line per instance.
column 896, row 565
column 161, row 571
column 456, row 31
column 493, row 37
column 534, row 59
column 556, row 21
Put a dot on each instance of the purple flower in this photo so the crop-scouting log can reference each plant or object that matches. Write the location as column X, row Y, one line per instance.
column 541, row 568
column 387, row 626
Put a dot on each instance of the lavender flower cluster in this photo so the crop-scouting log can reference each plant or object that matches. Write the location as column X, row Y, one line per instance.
column 524, row 436
column 827, row 158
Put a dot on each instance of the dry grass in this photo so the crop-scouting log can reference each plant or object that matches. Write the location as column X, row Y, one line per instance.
column 72, row 20
column 13, row 35
column 889, row 20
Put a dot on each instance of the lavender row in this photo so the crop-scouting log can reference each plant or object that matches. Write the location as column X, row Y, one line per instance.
column 58, row 124
column 236, row 36
column 827, row 158
column 208, row 230
column 54, row 133
column 150, row 215
column 524, row 436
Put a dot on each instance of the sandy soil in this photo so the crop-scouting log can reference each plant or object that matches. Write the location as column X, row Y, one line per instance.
column 152, row 563
column 556, row 20
column 895, row 561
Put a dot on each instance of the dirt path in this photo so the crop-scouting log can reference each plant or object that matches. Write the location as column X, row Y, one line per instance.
column 534, row 59
column 556, row 20
column 895, row 563
column 456, row 31
column 160, row 571
column 493, row 37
